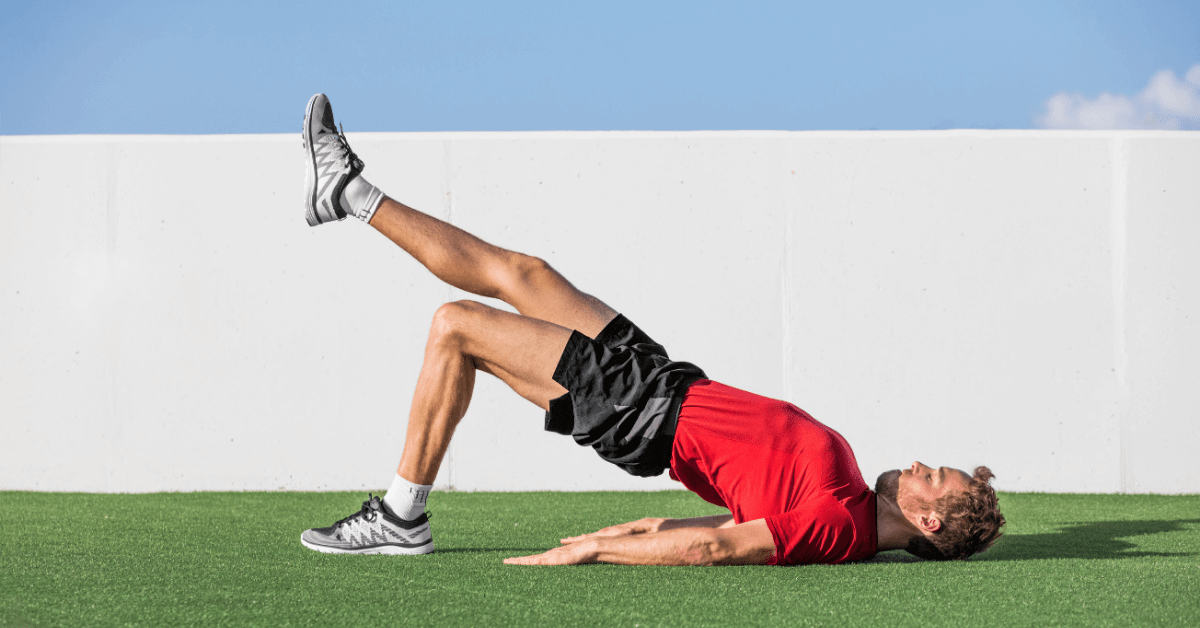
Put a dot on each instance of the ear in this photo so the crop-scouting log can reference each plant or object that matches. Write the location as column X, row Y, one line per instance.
column 929, row 523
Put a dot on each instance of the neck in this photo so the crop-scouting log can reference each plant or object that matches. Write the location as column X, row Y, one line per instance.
column 893, row 529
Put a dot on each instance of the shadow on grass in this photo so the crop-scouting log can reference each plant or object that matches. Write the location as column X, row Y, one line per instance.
column 1097, row 539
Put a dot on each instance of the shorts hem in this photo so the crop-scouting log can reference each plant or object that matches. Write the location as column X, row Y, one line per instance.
column 560, row 418
column 567, row 360
column 612, row 329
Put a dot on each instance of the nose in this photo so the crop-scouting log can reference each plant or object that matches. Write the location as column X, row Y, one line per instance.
column 916, row 466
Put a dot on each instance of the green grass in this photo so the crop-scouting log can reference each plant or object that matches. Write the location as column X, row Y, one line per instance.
column 234, row 559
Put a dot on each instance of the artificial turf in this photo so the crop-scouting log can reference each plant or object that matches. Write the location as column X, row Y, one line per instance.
column 234, row 559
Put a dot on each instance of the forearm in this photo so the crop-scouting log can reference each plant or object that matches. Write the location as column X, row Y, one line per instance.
column 681, row 546
column 643, row 542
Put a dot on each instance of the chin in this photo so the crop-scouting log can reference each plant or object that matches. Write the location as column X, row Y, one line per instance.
column 887, row 485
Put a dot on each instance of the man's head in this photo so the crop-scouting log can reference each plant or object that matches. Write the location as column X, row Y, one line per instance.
column 957, row 514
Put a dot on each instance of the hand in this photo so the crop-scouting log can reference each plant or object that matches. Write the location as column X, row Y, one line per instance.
column 641, row 526
column 575, row 554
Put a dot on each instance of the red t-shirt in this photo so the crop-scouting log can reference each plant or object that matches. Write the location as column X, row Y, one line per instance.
column 763, row 458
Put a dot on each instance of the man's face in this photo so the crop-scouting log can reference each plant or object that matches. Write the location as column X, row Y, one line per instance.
column 916, row 488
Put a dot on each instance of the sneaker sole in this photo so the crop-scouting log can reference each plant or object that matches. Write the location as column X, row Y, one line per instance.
column 394, row 550
column 310, row 177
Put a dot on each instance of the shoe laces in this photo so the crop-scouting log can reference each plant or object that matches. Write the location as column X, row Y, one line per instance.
column 340, row 138
column 369, row 511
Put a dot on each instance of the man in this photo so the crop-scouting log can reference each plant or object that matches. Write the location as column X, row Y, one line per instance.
column 792, row 485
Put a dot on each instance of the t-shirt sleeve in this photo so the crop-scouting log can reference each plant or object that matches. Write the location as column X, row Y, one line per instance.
column 821, row 532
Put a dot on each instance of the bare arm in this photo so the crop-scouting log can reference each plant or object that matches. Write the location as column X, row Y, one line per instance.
column 654, row 524
column 747, row 543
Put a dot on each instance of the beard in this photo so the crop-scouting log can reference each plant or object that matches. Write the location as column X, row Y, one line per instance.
column 887, row 485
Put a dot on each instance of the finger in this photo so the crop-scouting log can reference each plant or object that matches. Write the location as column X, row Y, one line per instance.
column 575, row 539
column 557, row 556
column 600, row 534
column 533, row 559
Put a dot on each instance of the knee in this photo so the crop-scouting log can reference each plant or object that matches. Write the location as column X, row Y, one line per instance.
column 526, row 271
column 452, row 321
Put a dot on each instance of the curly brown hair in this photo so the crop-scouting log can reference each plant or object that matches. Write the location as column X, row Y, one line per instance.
column 971, row 522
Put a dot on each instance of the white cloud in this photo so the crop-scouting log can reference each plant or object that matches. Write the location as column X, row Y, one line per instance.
column 1167, row 103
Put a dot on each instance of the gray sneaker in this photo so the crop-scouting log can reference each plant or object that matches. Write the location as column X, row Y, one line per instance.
column 330, row 164
column 373, row 530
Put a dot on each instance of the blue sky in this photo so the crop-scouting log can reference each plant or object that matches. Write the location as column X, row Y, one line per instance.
column 249, row 67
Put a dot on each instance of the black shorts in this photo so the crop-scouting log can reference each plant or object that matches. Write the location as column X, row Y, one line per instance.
column 623, row 396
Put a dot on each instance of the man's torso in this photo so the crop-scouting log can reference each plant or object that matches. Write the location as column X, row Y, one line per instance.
column 767, row 459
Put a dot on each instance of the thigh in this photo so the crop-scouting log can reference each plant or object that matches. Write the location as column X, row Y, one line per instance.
column 522, row 352
column 539, row 291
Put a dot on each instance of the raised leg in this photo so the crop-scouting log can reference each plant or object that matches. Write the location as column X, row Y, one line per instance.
column 465, row 337
column 522, row 350
column 466, row 262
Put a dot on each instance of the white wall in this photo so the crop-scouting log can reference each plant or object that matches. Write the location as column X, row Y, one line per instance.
column 1026, row 300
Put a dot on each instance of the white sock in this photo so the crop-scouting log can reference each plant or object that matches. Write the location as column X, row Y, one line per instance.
column 406, row 499
column 360, row 199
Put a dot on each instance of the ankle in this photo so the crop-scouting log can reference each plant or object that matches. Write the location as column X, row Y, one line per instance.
column 360, row 199
column 406, row 499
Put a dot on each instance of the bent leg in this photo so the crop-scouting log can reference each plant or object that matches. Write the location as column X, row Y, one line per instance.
column 467, row 336
column 468, row 263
